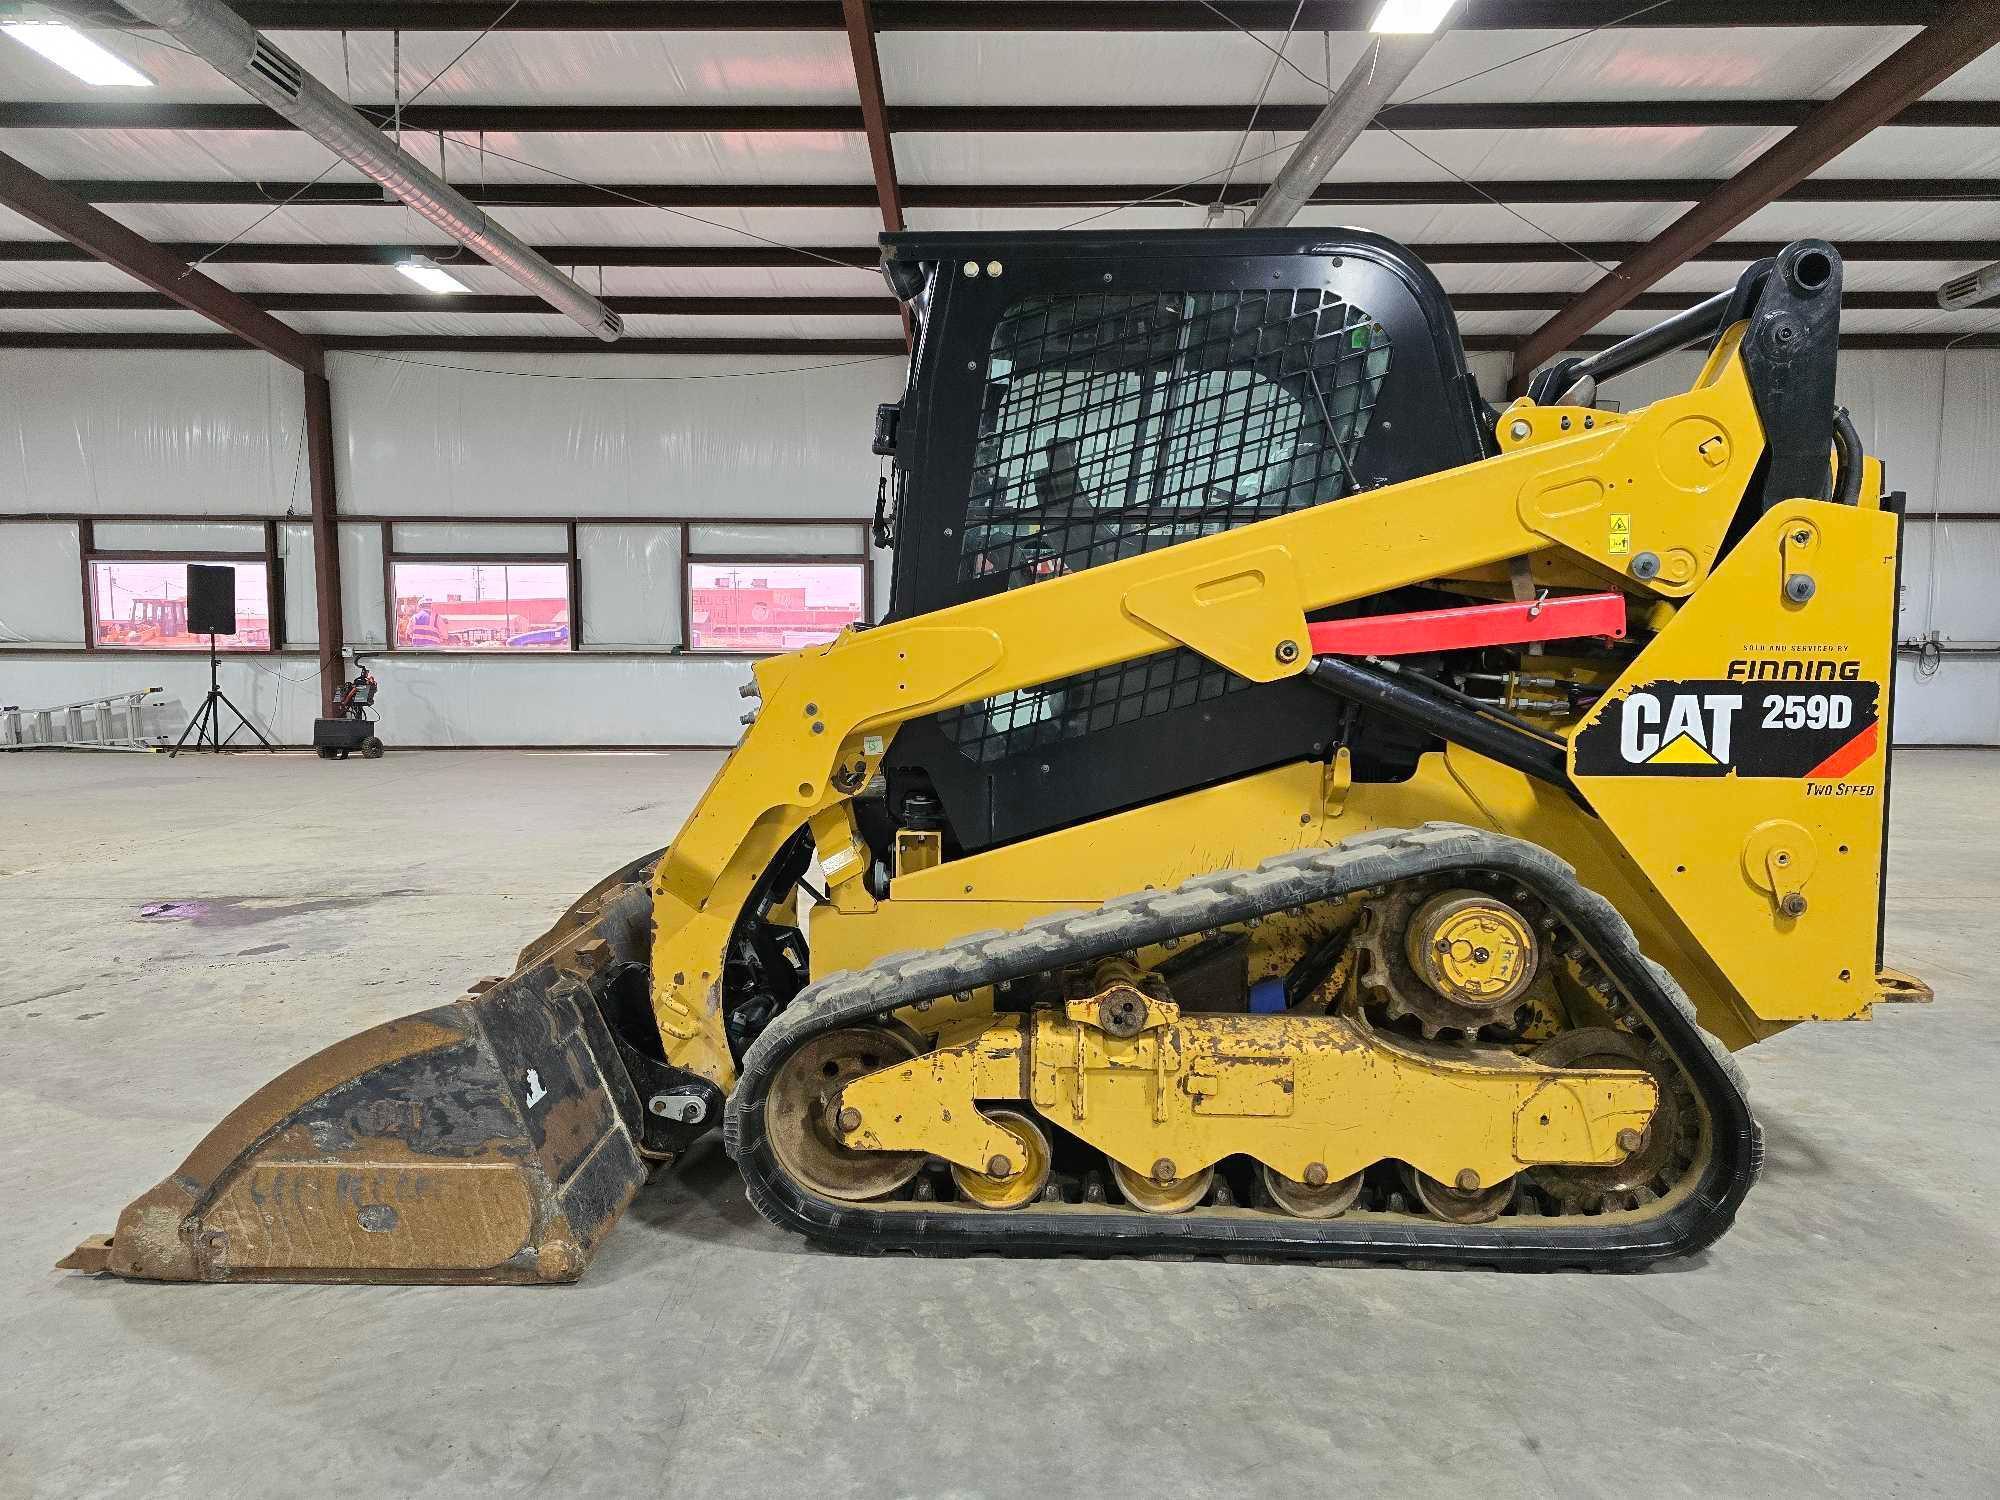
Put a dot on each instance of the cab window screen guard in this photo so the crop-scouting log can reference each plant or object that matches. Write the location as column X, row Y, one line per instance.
column 1115, row 424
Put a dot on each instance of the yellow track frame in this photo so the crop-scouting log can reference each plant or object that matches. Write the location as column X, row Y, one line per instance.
column 1310, row 1096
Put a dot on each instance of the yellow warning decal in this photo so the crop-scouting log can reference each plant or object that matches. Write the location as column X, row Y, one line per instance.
column 1621, row 532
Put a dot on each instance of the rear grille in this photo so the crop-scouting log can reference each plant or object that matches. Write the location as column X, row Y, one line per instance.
column 1118, row 424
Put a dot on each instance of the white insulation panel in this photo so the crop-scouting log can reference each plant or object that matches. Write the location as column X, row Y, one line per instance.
column 362, row 603
column 631, row 586
column 1949, row 568
column 558, row 699
column 295, row 557
column 1957, row 704
column 187, row 433
column 41, row 590
column 457, row 539
column 424, row 436
column 215, row 538
column 775, row 541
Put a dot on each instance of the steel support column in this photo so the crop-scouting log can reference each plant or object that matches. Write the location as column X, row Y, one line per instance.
column 325, row 535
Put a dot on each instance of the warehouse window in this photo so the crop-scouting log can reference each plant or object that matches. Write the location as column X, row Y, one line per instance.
column 141, row 604
column 757, row 606
column 481, row 606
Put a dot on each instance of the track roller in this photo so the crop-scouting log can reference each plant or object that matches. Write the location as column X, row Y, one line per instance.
column 1163, row 1192
column 1306, row 1200
column 1472, row 1204
column 1023, row 1180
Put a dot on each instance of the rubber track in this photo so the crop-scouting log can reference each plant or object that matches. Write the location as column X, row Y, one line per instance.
column 1208, row 901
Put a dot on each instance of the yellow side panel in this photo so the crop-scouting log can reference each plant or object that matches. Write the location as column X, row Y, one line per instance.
column 1222, row 828
column 844, row 938
column 1741, row 759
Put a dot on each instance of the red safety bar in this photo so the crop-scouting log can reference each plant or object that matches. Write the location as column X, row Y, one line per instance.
column 1472, row 626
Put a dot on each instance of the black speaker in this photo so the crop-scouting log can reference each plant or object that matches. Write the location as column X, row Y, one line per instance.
column 211, row 599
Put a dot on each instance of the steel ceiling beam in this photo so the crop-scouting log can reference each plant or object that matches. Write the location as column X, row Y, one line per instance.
column 975, row 119
column 223, row 192
column 865, row 257
column 1040, row 15
column 306, row 253
column 1923, row 300
column 782, row 347
column 487, row 344
column 874, row 115
column 1965, row 31
column 325, row 517
column 62, row 213
column 421, row 302
column 858, row 16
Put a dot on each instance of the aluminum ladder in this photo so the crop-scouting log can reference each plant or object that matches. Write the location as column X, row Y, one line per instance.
column 117, row 721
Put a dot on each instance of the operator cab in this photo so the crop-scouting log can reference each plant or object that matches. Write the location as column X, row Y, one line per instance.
column 1077, row 398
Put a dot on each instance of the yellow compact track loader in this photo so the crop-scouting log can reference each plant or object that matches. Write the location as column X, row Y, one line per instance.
column 1290, row 809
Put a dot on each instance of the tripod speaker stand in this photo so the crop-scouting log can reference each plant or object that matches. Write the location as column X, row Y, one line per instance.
column 212, row 612
column 206, row 725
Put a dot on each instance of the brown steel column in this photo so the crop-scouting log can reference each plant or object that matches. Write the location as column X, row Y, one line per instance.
column 326, row 536
column 860, row 24
column 874, row 117
column 1961, row 34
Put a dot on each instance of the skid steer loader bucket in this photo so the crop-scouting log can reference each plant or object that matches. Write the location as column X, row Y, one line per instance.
column 494, row 1139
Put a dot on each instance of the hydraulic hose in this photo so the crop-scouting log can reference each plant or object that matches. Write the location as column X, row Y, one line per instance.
column 1847, row 452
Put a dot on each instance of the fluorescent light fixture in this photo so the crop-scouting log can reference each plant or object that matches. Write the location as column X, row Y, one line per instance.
column 429, row 275
column 1419, row 17
column 68, row 48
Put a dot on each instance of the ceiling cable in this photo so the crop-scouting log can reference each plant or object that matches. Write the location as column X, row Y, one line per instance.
column 425, row 364
column 1278, row 56
column 612, row 192
column 1270, row 73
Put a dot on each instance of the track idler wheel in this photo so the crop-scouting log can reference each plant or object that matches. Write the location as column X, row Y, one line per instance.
column 1662, row 1147
column 1025, row 1177
column 799, row 1114
column 1306, row 1200
column 1162, row 1192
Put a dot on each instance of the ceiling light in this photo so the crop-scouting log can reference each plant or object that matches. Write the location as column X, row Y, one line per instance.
column 429, row 275
column 1411, row 16
column 66, row 47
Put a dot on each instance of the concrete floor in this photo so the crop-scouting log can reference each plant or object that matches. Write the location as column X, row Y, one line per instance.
column 1841, row 1339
